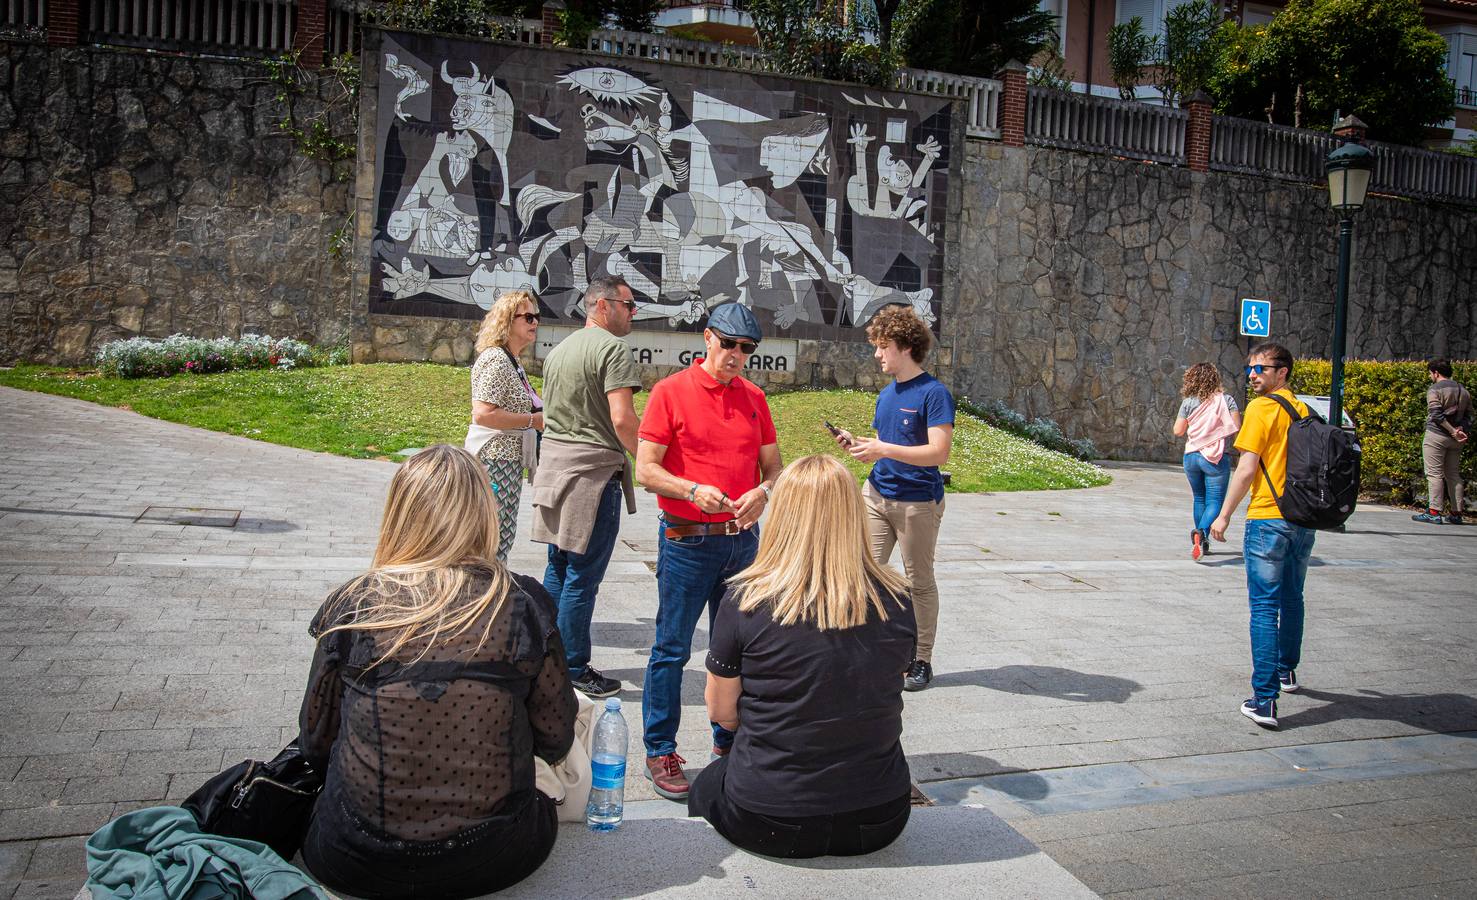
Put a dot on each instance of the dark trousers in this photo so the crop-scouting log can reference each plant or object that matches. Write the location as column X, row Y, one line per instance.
column 850, row 833
column 353, row 857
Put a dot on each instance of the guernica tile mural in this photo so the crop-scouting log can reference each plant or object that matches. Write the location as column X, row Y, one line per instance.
column 503, row 168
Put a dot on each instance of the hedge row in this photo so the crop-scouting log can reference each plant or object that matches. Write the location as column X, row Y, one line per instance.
column 148, row 358
column 1387, row 401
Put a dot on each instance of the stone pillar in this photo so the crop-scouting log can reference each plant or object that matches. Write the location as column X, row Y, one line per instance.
column 1197, row 132
column 1013, row 104
column 551, row 11
column 63, row 22
column 310, row 36
column 1351, row 129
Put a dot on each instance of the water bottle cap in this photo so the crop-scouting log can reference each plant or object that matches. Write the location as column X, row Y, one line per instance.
column 613, row 704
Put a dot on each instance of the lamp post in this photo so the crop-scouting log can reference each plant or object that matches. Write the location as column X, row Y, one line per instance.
column 1349, row 168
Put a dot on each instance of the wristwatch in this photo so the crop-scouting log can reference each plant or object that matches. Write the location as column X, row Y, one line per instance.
column 692, row 493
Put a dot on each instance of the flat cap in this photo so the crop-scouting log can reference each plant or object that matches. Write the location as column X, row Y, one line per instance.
column 735, row 320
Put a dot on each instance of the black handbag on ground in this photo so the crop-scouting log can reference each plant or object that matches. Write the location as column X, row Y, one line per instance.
column 268, row 802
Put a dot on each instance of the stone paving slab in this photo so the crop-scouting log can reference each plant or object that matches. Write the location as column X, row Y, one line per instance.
column 105, row 622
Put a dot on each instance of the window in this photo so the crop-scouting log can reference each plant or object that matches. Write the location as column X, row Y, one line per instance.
column 1151, row 11
column 1057, row 8
column 1461, row 61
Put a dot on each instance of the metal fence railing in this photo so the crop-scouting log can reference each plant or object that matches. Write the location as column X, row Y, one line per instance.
column 1297, row 154
column 239, row 27
column 1103, row 125
column 22, row 16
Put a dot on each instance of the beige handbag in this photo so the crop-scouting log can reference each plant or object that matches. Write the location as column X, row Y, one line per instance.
column 567, row 782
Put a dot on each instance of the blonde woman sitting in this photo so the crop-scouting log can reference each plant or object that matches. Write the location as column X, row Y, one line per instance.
column 437, row 679
column 804, row 663
column 507, row 412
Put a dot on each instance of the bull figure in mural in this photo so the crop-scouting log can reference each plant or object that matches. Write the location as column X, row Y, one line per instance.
column 485, row 110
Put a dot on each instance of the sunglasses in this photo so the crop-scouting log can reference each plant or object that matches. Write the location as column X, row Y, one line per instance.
column 1260, row 368
column 530, row 318
column 630, row 305
column 745, row 347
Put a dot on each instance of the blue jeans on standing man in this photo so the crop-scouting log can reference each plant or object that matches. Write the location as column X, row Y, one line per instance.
column 1208, row 482
column 573, row 579
column 691, row 575
column 1276, row 553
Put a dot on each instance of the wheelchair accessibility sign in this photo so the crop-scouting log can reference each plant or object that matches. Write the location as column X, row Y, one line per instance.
column 1256, row 318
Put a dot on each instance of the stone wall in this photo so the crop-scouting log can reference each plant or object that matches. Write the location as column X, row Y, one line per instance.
column 1088, row 284
column 148, row 195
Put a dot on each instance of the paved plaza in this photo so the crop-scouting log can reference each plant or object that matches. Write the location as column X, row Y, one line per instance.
column 1081, row 736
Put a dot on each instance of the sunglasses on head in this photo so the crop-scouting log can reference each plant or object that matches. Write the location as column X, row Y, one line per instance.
column 1259, row 368
column 745, row 347
column 530, row 318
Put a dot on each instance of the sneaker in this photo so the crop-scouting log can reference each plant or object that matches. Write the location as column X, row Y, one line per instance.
column 592, row 684
column 1453, row 520
column 1197, row 541
column 1289, row 681
column 666, row 776
column 1264, row 714
column 920, row 673
column 1434, row 518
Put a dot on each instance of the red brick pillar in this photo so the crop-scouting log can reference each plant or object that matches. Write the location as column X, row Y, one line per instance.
column 1197, row 132
column 1350, row 128
column 551, row 11
column 1013, row 104
column 63, row 22
column 310, row 36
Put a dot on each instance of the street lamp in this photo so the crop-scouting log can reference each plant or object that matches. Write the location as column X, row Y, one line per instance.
column 1349, row 168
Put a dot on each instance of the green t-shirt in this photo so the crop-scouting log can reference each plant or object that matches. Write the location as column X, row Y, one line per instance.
column 577, row 375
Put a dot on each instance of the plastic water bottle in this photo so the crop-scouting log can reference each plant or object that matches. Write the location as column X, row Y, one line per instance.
column 608, row 770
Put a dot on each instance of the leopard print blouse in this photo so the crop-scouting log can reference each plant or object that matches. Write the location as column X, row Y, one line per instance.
column 499, row 380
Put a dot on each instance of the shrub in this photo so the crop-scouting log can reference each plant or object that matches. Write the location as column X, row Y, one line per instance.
column 1387, row 401
column 1042, row 431
column 148, row 358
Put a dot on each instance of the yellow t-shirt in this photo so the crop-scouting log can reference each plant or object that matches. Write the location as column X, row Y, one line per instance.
column 1264, row 432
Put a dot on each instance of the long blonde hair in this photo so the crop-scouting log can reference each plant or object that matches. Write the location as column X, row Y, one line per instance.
column 439, row 532
column 493, row 332
column 812, row 565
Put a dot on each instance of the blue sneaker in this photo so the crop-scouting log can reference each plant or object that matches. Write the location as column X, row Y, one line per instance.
column 1433, row 518
column 1288, row 681
column 1263, row 713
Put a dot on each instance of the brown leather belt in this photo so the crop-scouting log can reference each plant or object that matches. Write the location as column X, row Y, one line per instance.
column 701, row 529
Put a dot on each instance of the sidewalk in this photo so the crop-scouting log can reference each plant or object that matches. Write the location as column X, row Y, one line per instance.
column 1088, row 673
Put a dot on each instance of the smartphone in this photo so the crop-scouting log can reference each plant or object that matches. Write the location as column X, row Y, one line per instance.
column 836, row 432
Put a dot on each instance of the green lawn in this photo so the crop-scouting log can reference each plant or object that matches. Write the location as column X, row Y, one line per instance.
column 371, row 411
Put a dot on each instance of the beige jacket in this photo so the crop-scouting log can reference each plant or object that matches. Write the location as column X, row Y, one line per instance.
column 567, row 487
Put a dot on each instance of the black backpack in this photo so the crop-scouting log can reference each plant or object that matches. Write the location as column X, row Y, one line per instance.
column 1322, row 484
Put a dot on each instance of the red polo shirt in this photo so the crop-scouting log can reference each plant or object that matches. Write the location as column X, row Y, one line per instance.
column 712, row 432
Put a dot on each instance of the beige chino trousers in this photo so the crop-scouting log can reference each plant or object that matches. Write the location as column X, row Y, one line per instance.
column 913, row 525
column 1443, row 458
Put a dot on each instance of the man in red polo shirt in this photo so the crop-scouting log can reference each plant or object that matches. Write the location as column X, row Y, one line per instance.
column 708, row 449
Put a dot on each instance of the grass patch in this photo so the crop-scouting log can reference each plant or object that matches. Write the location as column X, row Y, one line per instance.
column 371, row 411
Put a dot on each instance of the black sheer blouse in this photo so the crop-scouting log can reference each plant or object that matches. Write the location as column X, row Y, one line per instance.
column 424, row 749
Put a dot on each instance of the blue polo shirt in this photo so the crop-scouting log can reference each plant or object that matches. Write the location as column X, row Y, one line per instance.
column 905, row 412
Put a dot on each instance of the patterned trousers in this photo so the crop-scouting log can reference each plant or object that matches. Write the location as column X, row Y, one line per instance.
column 506, row 478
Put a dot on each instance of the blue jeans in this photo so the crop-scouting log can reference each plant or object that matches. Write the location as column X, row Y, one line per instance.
column 573, row 579
column 1276, row 554
column 691, row 575
column 1208, row 482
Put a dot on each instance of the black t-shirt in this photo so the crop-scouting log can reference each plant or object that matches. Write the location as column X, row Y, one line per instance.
column 821, row 712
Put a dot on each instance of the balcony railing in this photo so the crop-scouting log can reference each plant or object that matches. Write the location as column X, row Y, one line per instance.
column 238, row 27
column 981, row 96
column 1103, row 125
column 22, row 16
column 662, row 48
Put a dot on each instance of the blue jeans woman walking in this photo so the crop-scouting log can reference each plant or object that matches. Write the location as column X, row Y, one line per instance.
column 1208, row 418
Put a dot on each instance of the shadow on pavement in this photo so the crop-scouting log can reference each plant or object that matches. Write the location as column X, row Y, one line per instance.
column 937, row 770
column 1429, row 712
column 1045, row 681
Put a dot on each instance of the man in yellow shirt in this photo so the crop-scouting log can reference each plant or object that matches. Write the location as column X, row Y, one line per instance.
column 1275, row 550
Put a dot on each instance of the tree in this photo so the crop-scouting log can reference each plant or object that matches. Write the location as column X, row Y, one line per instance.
column 1318, row 59
column 973, row 37
column 1190, row 49
column 1129, row 50
column 635, row 15
column 822, row 40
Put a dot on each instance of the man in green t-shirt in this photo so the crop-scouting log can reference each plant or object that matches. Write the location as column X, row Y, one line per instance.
column 589, row 426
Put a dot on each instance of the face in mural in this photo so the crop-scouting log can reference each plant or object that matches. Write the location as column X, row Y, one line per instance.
column 696, row 187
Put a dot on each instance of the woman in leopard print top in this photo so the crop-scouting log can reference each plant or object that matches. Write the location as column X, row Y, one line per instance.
column 503, row 399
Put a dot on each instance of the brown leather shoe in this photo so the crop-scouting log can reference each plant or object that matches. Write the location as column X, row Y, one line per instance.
column 666, row 776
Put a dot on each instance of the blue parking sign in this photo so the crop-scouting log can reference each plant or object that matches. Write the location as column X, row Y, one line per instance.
column 1256, row 318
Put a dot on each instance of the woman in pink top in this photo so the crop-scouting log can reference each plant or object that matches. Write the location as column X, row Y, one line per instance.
column 1208, row 419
